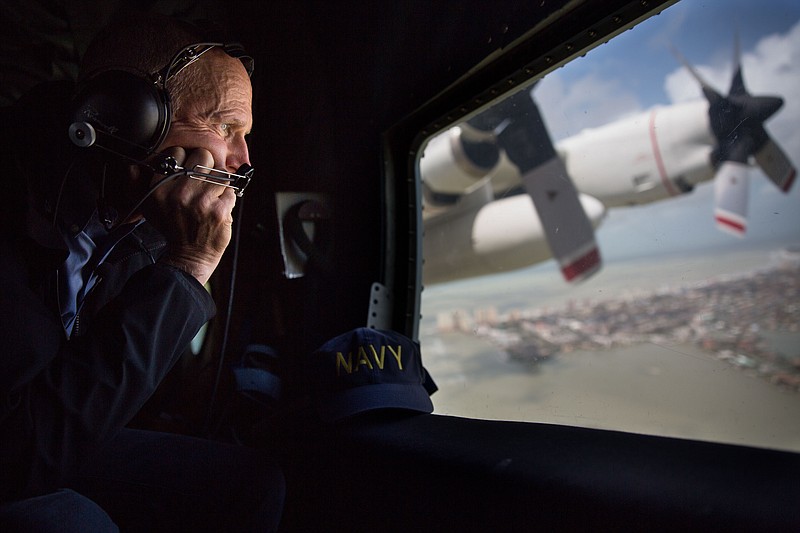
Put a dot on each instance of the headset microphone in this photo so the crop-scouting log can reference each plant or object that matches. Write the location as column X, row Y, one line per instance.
column 237, row 181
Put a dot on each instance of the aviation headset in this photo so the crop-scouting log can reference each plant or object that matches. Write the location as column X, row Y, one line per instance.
column 128, row 113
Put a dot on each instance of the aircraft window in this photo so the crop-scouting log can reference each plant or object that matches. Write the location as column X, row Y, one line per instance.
column 679, row 314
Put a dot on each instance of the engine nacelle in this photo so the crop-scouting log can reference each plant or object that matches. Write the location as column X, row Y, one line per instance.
column 501, row 236
column 456, row 159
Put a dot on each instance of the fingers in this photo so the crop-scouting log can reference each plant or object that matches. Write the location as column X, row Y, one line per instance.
column 199, row 156
column 195, row 216
column 224, row 195
column 184, row 190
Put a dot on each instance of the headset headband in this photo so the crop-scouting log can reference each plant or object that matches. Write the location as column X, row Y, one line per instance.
column 191, row 53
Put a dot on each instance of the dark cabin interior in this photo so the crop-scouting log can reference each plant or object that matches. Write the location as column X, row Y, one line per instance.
column 345, row 93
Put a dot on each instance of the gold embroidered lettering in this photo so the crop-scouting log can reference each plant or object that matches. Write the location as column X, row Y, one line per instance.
column 362, row 358
column 340, row 362
column 379, row 360
column 397, row 355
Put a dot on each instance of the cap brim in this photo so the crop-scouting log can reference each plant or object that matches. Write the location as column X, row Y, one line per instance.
column 371, row 397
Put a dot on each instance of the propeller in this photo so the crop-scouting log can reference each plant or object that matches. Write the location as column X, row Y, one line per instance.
column 737, row 122
column 519, row 129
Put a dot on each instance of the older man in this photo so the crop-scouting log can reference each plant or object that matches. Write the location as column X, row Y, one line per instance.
column 103, row 276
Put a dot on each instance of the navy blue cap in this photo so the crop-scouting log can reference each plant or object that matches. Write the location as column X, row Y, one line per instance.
column 367, row 369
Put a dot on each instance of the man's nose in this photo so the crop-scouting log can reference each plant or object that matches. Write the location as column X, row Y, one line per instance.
column 238, row 154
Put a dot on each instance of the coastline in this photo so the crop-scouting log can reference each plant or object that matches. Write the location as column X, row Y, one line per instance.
column 663, row 387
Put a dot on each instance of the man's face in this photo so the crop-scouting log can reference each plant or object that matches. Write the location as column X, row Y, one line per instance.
column 215, row 112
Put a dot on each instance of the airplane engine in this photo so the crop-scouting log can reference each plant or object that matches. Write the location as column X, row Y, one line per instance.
column 501, row 236
column 455, row 160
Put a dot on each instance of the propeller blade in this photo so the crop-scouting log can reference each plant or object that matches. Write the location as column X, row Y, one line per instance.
column 737, row 83
column 567, row 227
column 776, row 165
column 756, row 109
column 730, row 197
column 710, row 93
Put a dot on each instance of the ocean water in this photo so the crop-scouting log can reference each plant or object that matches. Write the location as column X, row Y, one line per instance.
column 662, row 389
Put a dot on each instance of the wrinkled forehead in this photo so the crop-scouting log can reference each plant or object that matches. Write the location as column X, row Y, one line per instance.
column 219, row 67
column 219, row 83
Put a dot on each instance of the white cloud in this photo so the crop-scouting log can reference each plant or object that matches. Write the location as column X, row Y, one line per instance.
column 584, row 103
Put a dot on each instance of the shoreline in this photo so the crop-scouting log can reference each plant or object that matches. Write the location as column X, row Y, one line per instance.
column 667, row 390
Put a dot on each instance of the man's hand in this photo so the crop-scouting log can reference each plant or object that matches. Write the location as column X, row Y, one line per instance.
column 194, row 216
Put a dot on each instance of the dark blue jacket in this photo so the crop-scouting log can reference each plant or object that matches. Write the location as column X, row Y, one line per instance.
column 62, row 398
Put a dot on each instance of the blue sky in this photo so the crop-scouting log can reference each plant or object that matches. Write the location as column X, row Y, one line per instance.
column 636, row 71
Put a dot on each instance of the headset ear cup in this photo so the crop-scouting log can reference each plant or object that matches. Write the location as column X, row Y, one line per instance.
column 129, row 112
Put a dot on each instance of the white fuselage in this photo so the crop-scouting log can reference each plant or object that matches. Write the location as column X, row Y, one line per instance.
column 642, row 158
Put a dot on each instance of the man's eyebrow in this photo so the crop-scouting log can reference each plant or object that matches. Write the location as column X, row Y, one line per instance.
column 229, row 118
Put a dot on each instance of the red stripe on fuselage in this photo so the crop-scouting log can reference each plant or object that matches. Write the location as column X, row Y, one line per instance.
column 735, row 226
column 584, row 263
column 662, row 171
